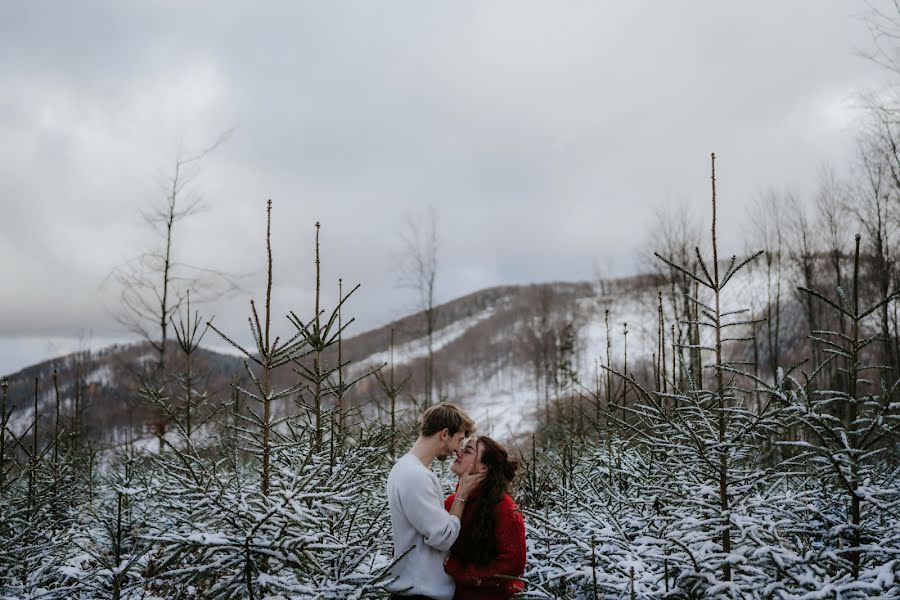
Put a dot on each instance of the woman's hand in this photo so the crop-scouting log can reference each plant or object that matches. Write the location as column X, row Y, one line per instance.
column 467, row 482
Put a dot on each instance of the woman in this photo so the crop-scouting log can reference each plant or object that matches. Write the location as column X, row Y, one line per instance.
column 490, row 548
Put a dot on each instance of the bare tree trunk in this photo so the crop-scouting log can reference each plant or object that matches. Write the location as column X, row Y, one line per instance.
column 803, row 256
column 767, row 226
column 4, row 419
column 77, row 417
column 720, row 390
column 609, row 399
column 393, row 402
column 873, row 211
column 851, row 419
column 317, row 360
column 419, row 272
column 267, row 378
column 340, row 389
column 32, row 460
column 152, row 285
column 56, row 419
column 164, row 309
column 391, row 390
column 696, row 354
column 189, row 375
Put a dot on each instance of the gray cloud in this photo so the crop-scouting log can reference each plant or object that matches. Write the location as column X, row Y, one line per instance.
column 546, row 135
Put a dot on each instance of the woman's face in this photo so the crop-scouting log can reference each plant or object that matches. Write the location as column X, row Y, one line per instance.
column 466, row 458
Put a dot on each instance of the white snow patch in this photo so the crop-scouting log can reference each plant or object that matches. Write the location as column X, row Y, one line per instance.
column 418, row 348
column 208, row 539
column 102, row 375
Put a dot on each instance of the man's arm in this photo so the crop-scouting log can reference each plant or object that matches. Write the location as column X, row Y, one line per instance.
column 422, row 506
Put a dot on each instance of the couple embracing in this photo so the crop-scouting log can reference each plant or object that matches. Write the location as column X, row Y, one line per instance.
column 470, row 545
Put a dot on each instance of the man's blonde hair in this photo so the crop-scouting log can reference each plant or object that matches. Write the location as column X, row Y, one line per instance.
column 446, row 416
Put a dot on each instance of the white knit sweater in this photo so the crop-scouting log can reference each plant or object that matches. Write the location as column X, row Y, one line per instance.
column 420, row 522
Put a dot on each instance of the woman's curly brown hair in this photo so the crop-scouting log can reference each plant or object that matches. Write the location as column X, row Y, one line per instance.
column 479, row 539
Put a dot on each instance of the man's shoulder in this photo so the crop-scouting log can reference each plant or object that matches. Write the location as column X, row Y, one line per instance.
column 407, row 467
column 403, row 463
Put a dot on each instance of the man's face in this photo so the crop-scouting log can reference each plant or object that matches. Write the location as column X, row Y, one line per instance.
column 449, row 443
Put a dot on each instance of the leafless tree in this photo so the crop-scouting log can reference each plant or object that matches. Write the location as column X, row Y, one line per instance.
column 675, row 235
column 879, row 209
column 831, row 221
column 802, row 253
column 153, row 285
column 883, row 21
column 538, row 340
column 875, row 204
column 767, row 231
column 852, row 429
column 418, row 272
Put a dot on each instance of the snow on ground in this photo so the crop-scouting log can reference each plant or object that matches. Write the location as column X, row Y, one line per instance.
column 418, row 348
column 22, row 417
column 148, row 443
column 638, row 309
column 101, row 375
column 504, row 406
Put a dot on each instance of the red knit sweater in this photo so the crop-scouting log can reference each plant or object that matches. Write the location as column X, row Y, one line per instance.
column 477, row 582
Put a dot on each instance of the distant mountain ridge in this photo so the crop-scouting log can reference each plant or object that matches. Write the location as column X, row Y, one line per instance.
column 502, row 352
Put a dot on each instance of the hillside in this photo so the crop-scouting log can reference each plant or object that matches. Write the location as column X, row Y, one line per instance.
column 504, row 353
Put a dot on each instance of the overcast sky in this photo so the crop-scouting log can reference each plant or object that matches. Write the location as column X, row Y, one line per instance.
column 545, row 134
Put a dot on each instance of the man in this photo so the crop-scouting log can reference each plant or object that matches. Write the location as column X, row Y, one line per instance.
column 423, row 529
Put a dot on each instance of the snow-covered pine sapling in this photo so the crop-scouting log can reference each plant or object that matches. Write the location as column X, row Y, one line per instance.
column 341, row 388
column 186, row 411
column 10, row 472
column 317, row 361
column 676, row 379
column 234, row 534
column 317, row 336
column 269, row 355
column 189, row 336
column 704, row 438
column 76, row 437
column 594, row 397
column 105, row 550
column 56, row 467
column 609, row 398
column 56, row 419
column 34, row 497
column 34, row 457
column 624, row 371
column 6, row 464
column 392, row 390
column 176, row 409
column 853, row 432
column 695, row 349
column 660, row 363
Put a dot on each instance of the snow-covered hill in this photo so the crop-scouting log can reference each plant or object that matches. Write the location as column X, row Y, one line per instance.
column 492, row 352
